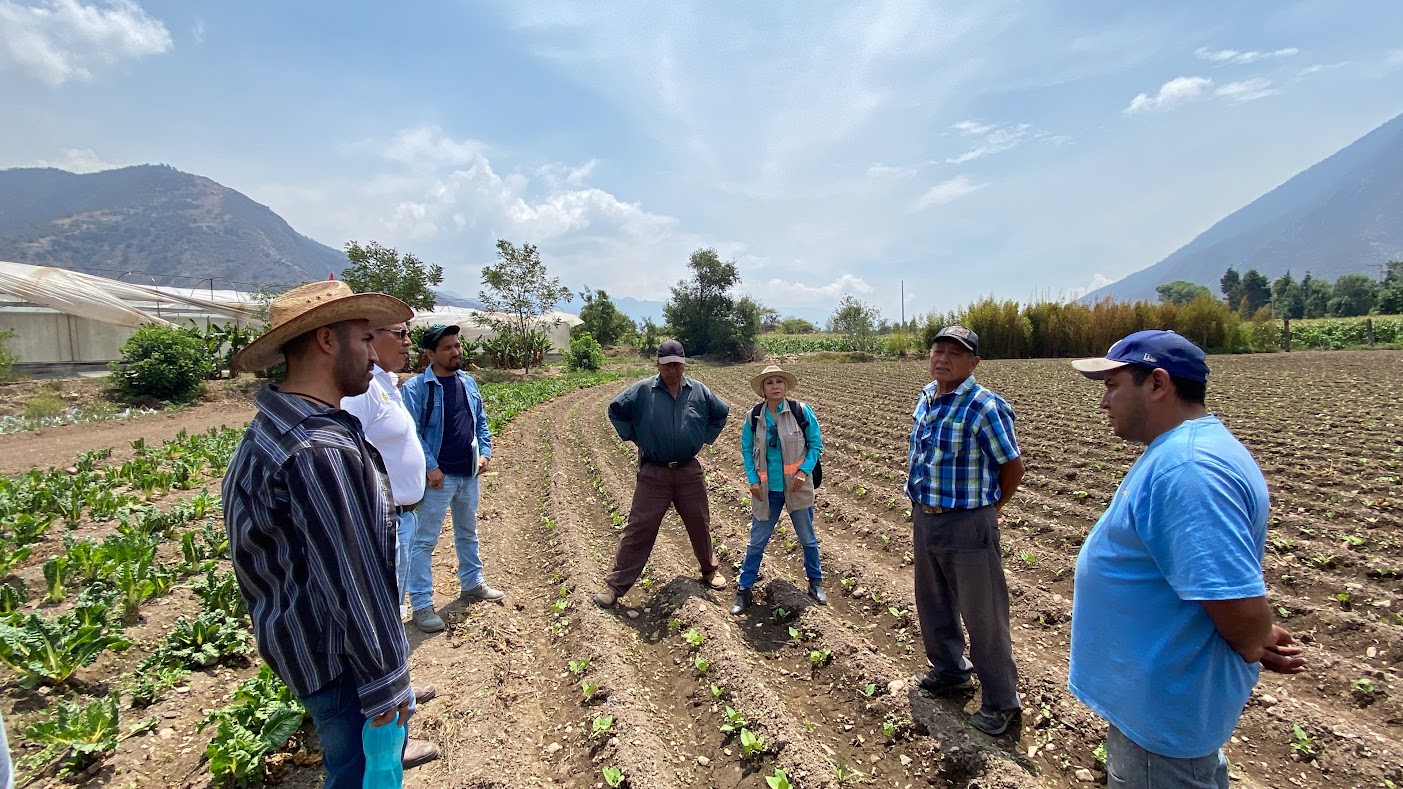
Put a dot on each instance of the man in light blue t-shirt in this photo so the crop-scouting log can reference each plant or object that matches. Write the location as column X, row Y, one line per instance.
column 1170, row 620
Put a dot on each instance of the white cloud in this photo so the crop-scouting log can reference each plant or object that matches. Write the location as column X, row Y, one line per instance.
column 78, row 160
column 1099, row 280
column 1172, row 93
column 1234, row 57
column 805, row 294
column 56, row 41
column 946, row 192
column 994, row 138
column 1319, row 67
column 1247, row 90
column 429, row 147
column 880, row 170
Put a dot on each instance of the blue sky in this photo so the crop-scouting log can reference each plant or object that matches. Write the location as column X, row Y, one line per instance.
column 1023, row 149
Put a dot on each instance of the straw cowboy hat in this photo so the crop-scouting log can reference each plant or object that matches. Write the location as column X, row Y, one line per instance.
column 313, row 306
column 758, row 382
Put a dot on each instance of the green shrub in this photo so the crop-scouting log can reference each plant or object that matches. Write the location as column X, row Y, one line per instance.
column 585, row 353
column 160, row 363
column 44, row 405
column 8, row 358
column 897, row 344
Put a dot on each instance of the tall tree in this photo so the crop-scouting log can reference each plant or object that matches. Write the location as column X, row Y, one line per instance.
column 378, row 269
column 1315, row 297
column 602, row 319
column 1355, row 294
column 1231, row 287
column 1287, row 299
column 1181, row 291
column 855, row 320
column 1391, row 292
column 1256, row 293
column 521, row 292
column 702, row 314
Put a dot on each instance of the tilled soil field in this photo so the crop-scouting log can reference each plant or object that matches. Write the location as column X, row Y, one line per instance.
column 548, row 690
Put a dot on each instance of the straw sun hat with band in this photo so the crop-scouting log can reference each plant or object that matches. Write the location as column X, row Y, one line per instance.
column 313, row 306
column 758, row 382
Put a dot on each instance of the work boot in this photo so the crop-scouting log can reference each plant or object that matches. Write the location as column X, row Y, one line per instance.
column 427, row 620
column 423, row 693
column 741, row 602
column 606, row 598
column 417, row 752
column 816, row 592
column 715, row 580
column 481, row 592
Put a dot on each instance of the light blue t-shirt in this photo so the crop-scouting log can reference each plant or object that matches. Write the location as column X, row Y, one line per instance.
column 1188, row 524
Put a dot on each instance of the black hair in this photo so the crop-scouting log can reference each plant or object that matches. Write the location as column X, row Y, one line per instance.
column 1188, row 390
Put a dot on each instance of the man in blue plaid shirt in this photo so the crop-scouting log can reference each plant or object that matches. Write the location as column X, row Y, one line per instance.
column 964, row 467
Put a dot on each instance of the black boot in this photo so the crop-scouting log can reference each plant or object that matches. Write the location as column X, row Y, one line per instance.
column 741, row 602
column 816, row 592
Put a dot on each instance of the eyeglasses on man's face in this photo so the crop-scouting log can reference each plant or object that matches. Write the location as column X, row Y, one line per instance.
column 403, row 334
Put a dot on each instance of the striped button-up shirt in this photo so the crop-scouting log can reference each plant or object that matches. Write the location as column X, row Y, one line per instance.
column 958, row 442
column 312, row 539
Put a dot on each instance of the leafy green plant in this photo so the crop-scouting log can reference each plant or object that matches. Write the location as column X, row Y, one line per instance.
column 700, row 664
column 220, row 592
column 717, row 691
column 212, row 638
column 161, row 363
column 78, row 735
column 751, row 744
column 136, row 582
column 11, row 555
column 613, row 776
column 153, row 681
column 44, row 650
column 693, row 638
column 735, row 721
column 778, row 781
column 1099, row 754
column 1302, row 743
column 602, row 727
column 778, row 615
column 263, row 717
column 55, row 569
column 12, row 597
column 819, row 658
column 588, row 689
column 869, row 689
column 1364, row 690
column 579, row 666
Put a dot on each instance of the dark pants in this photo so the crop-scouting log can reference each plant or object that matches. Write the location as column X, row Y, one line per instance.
column 960, row 576
column 657, row 488
column 335, row 710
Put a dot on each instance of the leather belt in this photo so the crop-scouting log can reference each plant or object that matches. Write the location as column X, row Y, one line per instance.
column 401, row 509
column 929, row 510
column 672, row 464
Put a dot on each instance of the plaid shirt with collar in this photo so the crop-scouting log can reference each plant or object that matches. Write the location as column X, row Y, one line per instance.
column 312, row 538
column 958, row 442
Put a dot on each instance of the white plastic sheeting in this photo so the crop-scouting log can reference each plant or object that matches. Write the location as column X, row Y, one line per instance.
column 107, row 300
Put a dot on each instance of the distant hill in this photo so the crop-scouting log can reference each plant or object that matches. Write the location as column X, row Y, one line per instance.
column 176, row 226
column 1344, row 215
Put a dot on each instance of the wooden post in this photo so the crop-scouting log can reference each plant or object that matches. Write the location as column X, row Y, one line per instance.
column 1286, row 334
column 1369, row 331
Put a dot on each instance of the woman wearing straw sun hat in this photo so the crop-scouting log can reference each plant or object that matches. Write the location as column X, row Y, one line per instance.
column 780, row 468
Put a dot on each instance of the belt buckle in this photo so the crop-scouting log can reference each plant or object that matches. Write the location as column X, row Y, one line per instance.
column 673, row 464
column 931, row 510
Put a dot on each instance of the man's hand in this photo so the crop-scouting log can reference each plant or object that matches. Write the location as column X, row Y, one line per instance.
column 435, row 477
column 482, row 466
column 797, row 481
column 756, row 492
column 1282, row 652
column 403, row 712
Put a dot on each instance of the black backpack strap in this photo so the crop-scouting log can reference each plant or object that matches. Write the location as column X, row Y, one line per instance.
column 799, row 416
column 755, row 417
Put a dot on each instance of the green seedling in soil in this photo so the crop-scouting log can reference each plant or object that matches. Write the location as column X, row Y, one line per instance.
column 1028, row 558
column 602, row 727
column 1354, row 540
column 55, row 570
column 588, row 689
column 12, row 597
column 735, row 721
column 886, row 540
column 1363, row 690
column 152, row 683
column 717, row 691
column 674, row 624
column 847, row 582
column 1345, row 599
column 646, row 583
column 693, row 638
column 579, row 666
column 1302, row 743
column 559, row 606
column 78, row 735
column 1080, row 495
column 701, row 664
column 1283, row 612
column 751, row 744
column 889, row 728
column 844, row 774
column 899, row 613
column 778, row 781
column 1099, row 754
column 795, row 634
column 778, row 615
column 819, row 658
column 869, row 690
column 613, row 776
column 558, row 626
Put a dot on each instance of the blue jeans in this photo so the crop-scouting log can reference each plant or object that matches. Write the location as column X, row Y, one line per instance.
column 760, row 532
column 461, row 494
column 335, row 710
column 404, row 541
column 1128, row 766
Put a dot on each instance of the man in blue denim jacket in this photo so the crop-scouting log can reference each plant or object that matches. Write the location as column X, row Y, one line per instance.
column 447, row 409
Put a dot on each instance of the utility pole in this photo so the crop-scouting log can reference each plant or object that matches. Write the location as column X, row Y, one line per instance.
column 903, row 305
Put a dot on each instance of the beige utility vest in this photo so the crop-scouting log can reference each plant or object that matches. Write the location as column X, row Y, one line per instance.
column 793, row 449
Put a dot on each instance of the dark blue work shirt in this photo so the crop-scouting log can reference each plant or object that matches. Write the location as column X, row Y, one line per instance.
column 457, row 455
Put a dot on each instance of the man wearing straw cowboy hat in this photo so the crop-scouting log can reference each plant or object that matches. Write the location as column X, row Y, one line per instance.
column 780, row 468
column 311, row 525
column 670, row 417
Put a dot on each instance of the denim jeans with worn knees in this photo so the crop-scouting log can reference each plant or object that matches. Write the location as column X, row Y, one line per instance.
column 335, row 711
column 404, row 544
column 761, row 531
column 1128, row 766
column 460, row 494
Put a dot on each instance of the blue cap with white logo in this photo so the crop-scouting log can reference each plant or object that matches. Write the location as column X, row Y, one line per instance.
column 1151, row 348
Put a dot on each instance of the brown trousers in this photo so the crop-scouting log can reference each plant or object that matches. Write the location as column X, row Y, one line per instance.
column 659, row 487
